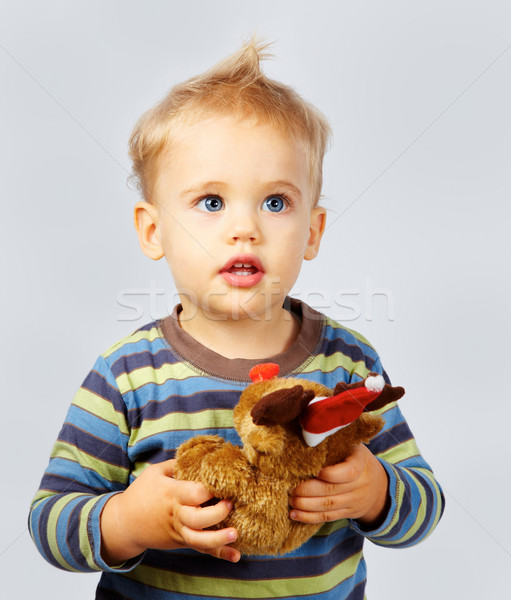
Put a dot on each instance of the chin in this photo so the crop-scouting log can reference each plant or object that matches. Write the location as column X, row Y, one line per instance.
column 248, row 305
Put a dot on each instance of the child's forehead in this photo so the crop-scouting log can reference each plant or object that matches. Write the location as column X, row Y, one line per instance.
column 243, row 126
column 214, row 139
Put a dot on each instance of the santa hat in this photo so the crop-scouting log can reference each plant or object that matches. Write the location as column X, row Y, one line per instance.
column 321, row 416
column 324, row 416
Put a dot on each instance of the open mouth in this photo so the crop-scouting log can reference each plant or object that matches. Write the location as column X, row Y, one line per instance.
column 243, row 271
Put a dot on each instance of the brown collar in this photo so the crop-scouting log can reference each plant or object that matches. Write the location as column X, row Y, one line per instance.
column 293, row 360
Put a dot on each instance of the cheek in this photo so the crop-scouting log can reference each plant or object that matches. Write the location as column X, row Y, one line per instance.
column 293, row 242
column 184, row 248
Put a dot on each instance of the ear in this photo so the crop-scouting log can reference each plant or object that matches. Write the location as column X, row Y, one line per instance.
column 388, row 395
column 281, row 407
column 146, row 224
column 317, row 227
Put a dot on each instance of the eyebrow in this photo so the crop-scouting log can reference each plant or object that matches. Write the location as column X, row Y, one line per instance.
column 286, row 184
column 221, row 184
column 196, row 189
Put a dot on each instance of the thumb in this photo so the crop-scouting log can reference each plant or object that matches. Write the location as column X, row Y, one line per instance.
column 167, row 467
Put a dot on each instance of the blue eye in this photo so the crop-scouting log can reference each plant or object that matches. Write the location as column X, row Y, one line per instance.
column 210, row 204
column 274, row 204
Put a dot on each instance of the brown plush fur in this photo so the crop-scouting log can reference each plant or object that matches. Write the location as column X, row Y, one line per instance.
column 273, row 461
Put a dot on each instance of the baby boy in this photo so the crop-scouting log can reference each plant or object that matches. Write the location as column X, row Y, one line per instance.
column 229, row 165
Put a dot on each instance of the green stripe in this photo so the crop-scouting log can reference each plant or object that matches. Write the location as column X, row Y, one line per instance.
column 231, row 588
column 40, row 496
column 382, row 411
column 400, row 452
column 420, row 513
column 99, row 407
column 400, row 490
column 334, row 325
column 435, row 488
column 328, row 364
column 51, row 530
column 150, row 335
column 83, row 533
column 421, row 510
column 419, row 517
column 105, row 469
column 135, row 379
column 207, row 419
column 332, row 527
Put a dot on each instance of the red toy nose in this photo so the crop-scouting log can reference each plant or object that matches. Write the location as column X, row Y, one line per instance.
column 264, row 371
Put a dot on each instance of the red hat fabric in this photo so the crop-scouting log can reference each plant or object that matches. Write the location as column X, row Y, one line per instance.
column 324, row 416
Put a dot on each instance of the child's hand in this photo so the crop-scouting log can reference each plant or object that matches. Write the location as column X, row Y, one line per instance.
column 157, row 511
column 354, row 489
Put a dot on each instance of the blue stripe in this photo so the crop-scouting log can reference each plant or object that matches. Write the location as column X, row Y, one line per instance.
column 341, row 333
column 136, row 399
column 138, row 360
column 63, row 467
column 86, row 421
column 431, row 505
column 158, row 406
column 171, row 439
column 406, row 518
column 96, row 383
column 256, row 568
column 44, row 547
column 390, row 438
column 60, row 484
column 73, row 535
column 353, row 352
column 155, row 456
column 131, row 346
column 35, row 523
column 415, row 462
column 71, row 550
column 93, row 445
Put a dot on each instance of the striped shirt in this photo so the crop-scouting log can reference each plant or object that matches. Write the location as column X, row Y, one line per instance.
column 158, row 387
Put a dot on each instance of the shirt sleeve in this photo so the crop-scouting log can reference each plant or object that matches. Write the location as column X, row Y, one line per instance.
column 416, row 499
column 88, row 464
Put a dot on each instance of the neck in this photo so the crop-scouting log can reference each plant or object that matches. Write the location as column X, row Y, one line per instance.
column 245, row 337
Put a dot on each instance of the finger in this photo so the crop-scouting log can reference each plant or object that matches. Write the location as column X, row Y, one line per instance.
column 315, row 488
column 225, row 553
column 322, row 503
column 190, row 493
column 208, row 541
column 196, row 517
column 316, row 518
column 350, row 468
column 344, row 472
column 167, row 467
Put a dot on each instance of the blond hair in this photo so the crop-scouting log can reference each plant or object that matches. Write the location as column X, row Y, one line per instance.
column 235, row 86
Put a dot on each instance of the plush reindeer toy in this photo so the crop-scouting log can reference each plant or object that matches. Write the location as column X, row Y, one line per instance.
column 290, row 429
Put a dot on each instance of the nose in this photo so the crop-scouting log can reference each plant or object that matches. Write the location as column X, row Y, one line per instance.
column 243, row 227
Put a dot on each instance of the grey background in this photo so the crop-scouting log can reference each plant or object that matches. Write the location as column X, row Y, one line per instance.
column 417, row 185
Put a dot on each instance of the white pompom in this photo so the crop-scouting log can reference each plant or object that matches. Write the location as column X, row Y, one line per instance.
column 375, row 383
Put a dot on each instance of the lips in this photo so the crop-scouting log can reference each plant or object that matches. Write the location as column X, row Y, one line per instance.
column 243, row 270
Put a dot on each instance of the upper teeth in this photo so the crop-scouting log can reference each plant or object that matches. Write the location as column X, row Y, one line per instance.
column 239, row 265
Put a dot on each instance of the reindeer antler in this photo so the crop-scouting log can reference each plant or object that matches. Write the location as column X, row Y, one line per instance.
column 387, row 395
column 281, row 406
